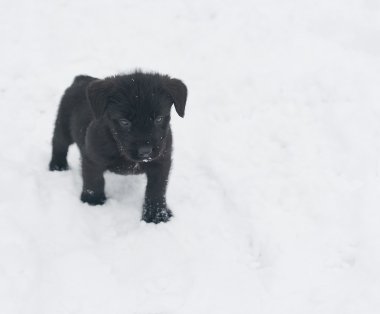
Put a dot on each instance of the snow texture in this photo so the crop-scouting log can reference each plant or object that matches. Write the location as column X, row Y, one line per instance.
column 275, row 185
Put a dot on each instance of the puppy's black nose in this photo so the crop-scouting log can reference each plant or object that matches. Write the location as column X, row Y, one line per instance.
column 144, row 151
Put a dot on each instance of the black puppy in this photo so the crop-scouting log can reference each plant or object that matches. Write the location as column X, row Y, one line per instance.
column 121, row 124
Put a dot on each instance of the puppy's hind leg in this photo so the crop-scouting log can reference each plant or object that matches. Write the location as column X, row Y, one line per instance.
column 61, row 142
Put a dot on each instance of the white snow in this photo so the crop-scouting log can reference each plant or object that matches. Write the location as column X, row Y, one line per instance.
column 275, row 185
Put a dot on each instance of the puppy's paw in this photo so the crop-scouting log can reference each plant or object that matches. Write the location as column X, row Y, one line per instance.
column 156, row 212
column 91, row 198
column 58, row 166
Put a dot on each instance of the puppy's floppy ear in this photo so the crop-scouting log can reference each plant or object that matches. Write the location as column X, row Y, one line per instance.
column 97, row 93
column 178, row 92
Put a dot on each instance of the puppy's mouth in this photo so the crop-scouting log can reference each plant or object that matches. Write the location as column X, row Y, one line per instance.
column 147, row 159
column 134, row 158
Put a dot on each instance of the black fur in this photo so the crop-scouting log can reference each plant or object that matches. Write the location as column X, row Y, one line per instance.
column 120, row 124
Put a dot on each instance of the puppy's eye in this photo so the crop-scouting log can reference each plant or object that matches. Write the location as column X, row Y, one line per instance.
column 159, row 120
column 125, row 123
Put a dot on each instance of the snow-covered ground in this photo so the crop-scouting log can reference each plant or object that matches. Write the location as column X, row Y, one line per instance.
column 276, row 178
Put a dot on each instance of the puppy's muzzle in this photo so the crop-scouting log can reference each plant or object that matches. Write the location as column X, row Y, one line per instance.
column 144, row 151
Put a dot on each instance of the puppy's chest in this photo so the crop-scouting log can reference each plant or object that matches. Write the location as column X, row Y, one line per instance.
column 123, row 166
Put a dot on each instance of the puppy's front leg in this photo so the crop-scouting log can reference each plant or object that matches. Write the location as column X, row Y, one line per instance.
column 155, row 208
column 93, row 183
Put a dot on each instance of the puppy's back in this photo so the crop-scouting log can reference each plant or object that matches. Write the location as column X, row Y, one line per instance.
column 80, row 79
column 74, row 112
column 75, row 94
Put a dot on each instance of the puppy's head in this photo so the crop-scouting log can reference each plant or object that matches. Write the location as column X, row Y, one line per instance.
column 136, row 109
